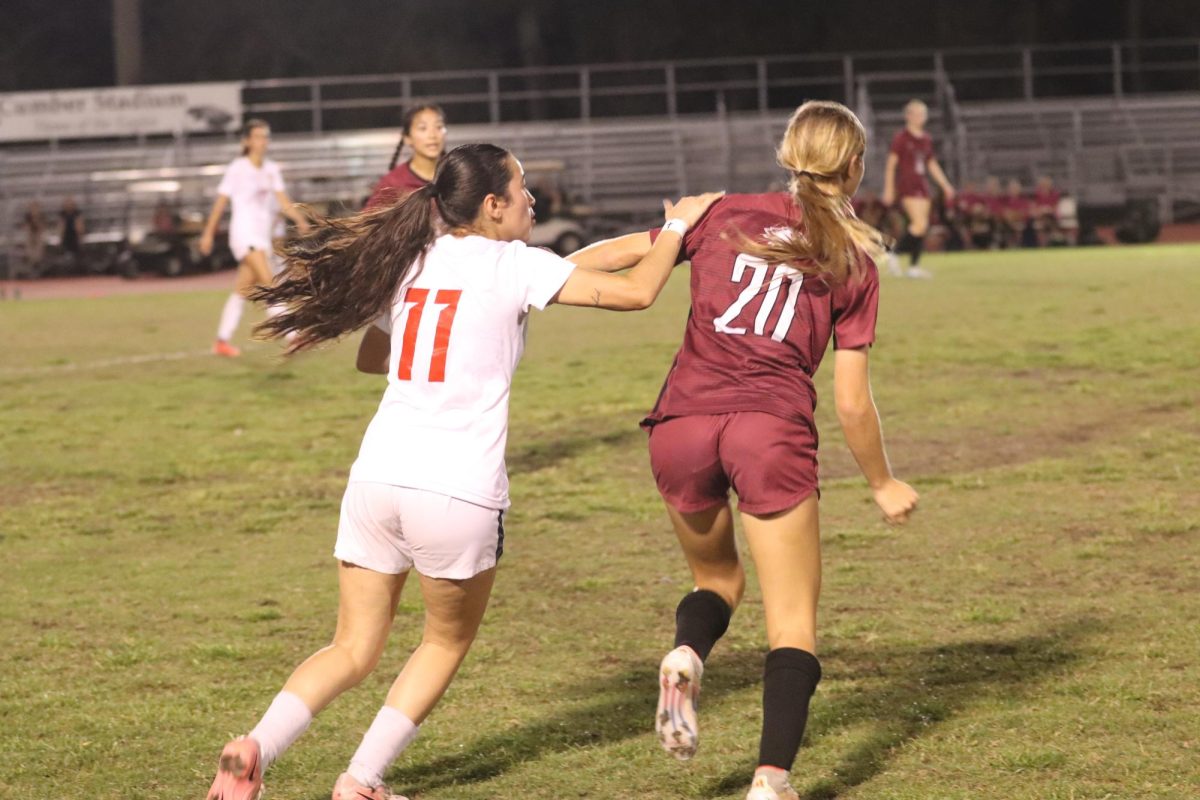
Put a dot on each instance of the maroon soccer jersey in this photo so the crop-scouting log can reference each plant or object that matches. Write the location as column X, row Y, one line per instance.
column 913, row 153
column 757, row 332
column 395, row 186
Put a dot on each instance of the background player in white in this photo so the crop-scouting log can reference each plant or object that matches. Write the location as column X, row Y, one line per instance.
column 253, row 186
column 447, row 279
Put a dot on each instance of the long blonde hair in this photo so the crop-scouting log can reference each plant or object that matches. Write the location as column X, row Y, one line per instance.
column 822, row 140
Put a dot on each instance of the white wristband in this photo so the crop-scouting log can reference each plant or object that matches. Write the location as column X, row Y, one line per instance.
column 676, row 225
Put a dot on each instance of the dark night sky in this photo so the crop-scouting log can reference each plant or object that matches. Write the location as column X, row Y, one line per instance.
column 68, row 43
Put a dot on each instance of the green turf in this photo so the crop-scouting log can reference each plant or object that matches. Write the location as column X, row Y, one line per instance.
column 166, row 531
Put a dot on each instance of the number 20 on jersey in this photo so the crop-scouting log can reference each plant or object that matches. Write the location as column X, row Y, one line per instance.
column 759, row 268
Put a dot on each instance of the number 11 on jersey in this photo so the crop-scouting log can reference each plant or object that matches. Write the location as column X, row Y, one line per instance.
column 415, row 300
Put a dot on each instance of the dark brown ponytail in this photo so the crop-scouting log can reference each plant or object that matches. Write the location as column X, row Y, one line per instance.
column 344, row 273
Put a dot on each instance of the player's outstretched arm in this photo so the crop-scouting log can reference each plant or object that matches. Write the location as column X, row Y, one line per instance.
column 290, row 210
column 935, row 169
column 613, row 255
column 638, row 288
column 210, row 227
column 374, row 351
column 889, row 179
column 860, row 423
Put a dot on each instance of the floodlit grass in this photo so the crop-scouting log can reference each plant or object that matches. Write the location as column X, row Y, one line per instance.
column 166, row 529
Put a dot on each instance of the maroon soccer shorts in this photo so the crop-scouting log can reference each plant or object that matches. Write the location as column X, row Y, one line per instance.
column 769, row 461
column 913, row 187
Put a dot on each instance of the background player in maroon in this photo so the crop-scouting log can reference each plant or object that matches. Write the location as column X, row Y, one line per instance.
column 909, row 161
column 773, row 278
column 423, row 129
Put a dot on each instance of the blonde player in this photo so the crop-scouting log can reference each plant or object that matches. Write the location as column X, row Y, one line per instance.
column 909, row 161
column 448, row 281
column 775, row 278
column 253, row 186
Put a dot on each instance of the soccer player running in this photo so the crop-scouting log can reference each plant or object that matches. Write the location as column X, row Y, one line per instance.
column 423, row 129
column 909, row 161
column 445, row 282
column 773, row 278
column 253, row 186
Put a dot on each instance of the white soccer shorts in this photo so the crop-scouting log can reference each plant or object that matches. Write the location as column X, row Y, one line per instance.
column 392, row 529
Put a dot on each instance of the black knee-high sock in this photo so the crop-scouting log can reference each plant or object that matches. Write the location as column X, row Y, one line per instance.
column 907, row 242
column 701, row 618
column 789, row 679
column 918, row 246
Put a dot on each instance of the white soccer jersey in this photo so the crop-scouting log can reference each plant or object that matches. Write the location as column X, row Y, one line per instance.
column 251, row 192
column 458, row 331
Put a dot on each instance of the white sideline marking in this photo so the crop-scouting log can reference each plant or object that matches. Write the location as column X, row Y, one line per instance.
column 123, row 361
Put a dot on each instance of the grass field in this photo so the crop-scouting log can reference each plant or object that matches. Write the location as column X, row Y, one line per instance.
column 166, row 528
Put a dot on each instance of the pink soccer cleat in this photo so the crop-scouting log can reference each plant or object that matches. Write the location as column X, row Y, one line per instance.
column 239, row 772
column 678, row 694
column 223, row 348
column 347, row 788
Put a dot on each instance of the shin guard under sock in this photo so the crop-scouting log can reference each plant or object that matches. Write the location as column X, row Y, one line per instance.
column 789, row 679
column 918, row 247
column 701, row 618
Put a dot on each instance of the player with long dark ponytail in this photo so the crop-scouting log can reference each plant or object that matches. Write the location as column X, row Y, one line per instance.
column 444, row 282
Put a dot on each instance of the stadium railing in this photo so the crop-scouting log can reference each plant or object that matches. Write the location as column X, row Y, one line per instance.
column 711, row 123
column 673, row 88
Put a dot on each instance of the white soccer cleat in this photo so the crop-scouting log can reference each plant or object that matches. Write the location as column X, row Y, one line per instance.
column 918, row 272
column 762, row 789
column 678, row 694
column 893, row 265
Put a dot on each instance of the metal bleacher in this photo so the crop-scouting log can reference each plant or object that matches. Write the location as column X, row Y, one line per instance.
column 675, row 127
column 1104, row 150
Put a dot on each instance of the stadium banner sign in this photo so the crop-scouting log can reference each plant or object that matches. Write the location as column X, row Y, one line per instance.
column 120, row 111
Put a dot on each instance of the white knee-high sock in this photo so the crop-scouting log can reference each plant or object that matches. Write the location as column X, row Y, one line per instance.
column 231, row 315
column 387, row 737
column 285, row 720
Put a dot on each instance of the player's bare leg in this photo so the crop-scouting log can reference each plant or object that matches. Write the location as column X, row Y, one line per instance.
column 453, row 612
column 708, row 544
column 253, row 270
column 786, row 548
column 366, row 606
column 917, row 209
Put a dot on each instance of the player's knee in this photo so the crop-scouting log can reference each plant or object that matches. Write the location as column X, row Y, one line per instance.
column 454, row 639
column 361, row 655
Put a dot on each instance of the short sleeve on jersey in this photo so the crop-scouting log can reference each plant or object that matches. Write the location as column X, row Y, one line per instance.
column 897, row 143
column 856, row 308
column 229, row 181
column 384, row 323
column 540, row 274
